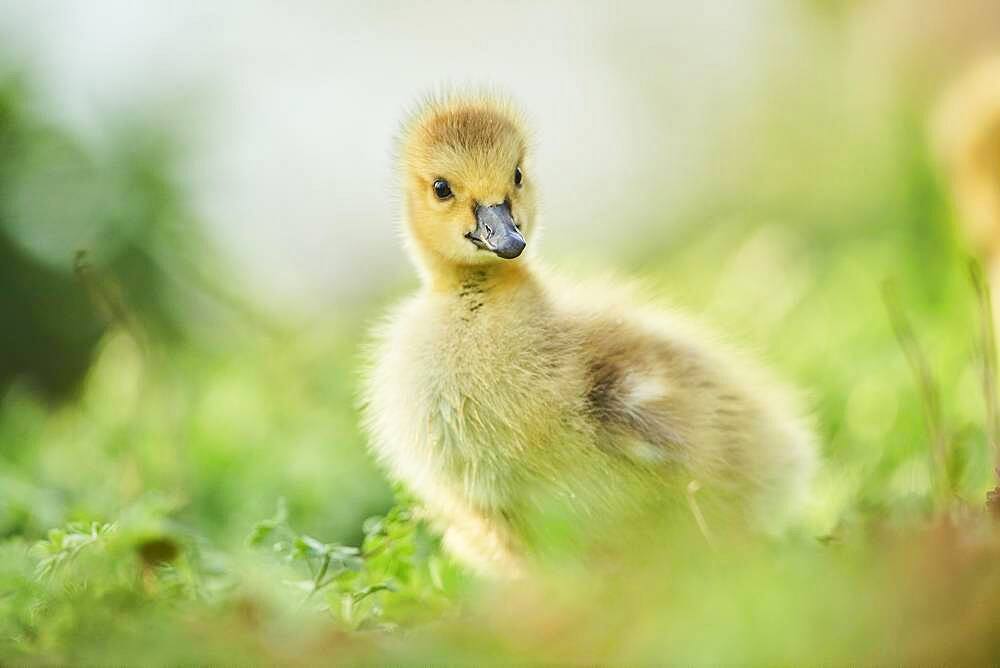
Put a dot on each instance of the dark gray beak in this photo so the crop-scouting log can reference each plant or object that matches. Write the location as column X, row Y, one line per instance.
column 496, row 231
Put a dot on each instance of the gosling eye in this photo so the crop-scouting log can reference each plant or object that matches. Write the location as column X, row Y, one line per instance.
column 518, row 176
column 442, row 189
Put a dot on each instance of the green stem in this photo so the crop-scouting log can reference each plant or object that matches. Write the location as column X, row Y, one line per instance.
column 319, row 576
column 928, row 390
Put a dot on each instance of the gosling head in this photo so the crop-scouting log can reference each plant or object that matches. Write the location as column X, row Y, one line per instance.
column 467, row 184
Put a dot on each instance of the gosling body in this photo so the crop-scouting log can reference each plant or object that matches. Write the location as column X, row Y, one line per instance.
column 499, row 392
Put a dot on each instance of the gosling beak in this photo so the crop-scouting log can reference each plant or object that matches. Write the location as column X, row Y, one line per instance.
column 496, row 231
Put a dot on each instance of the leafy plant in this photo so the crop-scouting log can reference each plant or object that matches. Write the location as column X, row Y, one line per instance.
column 63, row 545
column 397, row 575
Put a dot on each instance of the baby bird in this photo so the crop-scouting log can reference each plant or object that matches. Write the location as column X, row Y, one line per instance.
column 498, row 393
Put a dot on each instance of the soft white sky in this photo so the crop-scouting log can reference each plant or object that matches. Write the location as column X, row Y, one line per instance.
column 295, row 105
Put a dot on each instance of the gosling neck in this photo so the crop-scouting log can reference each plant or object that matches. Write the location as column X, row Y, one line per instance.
column 479, row 279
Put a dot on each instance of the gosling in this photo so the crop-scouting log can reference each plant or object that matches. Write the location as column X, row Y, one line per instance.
column 497, row 394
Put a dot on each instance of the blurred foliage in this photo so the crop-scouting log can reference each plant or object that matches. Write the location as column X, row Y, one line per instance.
column 137, row 520
column 59, row 199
